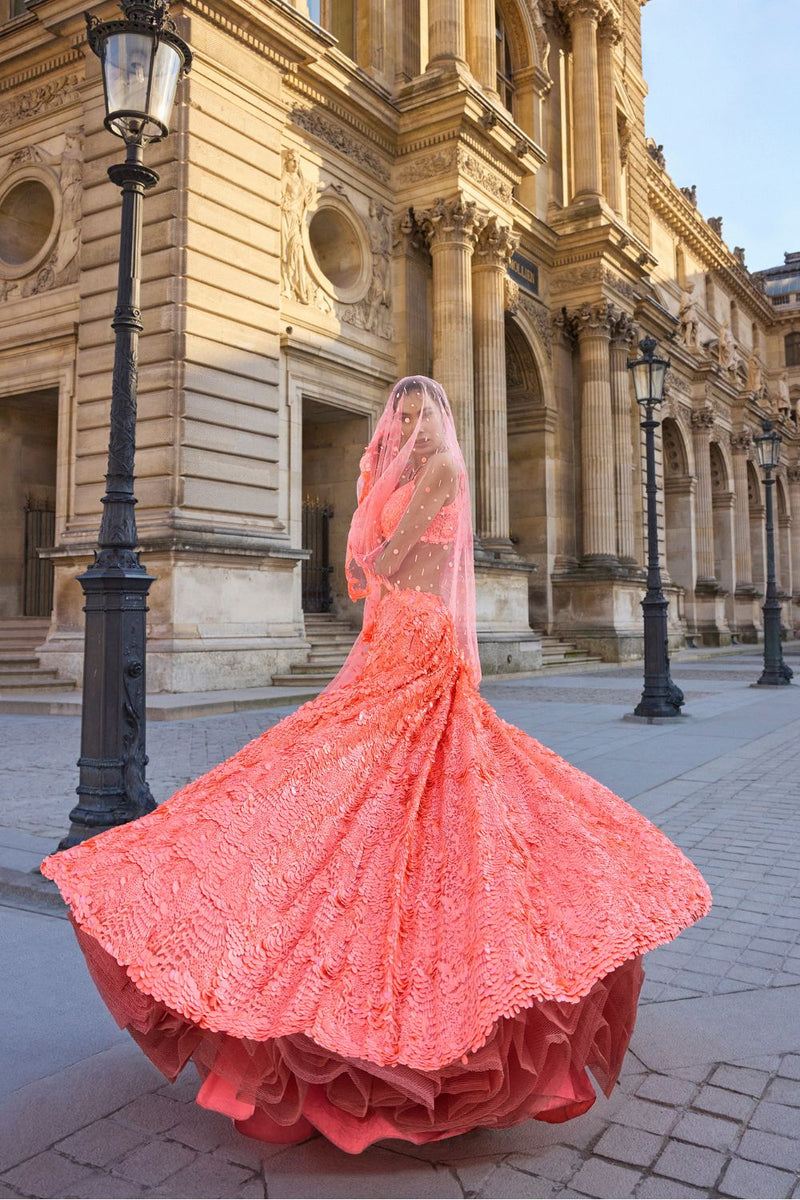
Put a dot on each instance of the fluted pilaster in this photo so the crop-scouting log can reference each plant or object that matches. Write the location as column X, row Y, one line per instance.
column 584, row 16
column 594, row 324
column 608, row 34
column 495, row 246
column 452, row 228
column 623, row 337
column 740, row 446
column 702, row 424
column 481, row 54
column 447, row 32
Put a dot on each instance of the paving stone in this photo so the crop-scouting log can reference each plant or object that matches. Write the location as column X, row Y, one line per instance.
column 790, row 1066
column 702, row 1130
column 784, row 1091
column 101, row 1142
column 667, row 1090
column 776, row 1118
column 642, row 1114
column 200, row 1129
column 754, row 1180
column 740, row 1079
column 692, row 1164
column 724, row 1103
column 153, row 1113
column 554, row 1162
column 102, row 1186
column 154, row 1162
column 634, row 1146
column 596, row 1178
column 473, row 1175
column 48, row 1174
column 507, row 1184
column 770, row 1148
column 207, row 1176
column 376, row 1172
column 668, row 1189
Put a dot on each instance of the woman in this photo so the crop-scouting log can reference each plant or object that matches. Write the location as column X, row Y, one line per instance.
column 393, row 914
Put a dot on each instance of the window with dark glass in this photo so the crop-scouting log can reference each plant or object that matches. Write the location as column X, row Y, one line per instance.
column 343, row 25
column 792, row 347
column 505, row 70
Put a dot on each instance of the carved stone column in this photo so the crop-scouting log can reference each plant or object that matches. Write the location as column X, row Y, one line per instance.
column 594, row 324
column 793, row 479
column 495, row 246
column 481, row 38
column 740, row 446
column 410, row 285
column 702, row 424
column 447, row 32
column 608, row 35
column 452, row 228
column 584, row 16
column 623, row 337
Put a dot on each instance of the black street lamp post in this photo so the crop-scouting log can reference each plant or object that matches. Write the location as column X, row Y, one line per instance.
column 660, row 697
column 776, row 673
column 142, row 59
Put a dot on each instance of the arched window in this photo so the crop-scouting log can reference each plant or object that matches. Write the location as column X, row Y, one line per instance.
column 505, row 70
column 792, row 347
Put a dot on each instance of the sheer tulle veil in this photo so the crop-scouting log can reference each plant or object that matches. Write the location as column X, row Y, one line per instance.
column 412, row 530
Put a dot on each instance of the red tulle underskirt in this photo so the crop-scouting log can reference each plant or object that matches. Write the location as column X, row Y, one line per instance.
column 533, row 1065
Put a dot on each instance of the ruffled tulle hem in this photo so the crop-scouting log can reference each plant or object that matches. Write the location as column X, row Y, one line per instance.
column 533, row 1065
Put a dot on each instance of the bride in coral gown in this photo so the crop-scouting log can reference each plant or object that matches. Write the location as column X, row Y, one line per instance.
column 393, row 914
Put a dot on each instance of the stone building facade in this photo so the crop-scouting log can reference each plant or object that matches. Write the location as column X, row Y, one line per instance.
column 354, row 190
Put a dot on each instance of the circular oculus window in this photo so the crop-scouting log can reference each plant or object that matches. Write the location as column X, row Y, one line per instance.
column 339, row 253
column 29, row 214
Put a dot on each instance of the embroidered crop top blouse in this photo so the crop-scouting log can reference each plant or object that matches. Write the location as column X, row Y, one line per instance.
column 441, row 529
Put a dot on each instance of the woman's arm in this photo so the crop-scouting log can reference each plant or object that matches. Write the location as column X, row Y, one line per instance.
column 436, row 486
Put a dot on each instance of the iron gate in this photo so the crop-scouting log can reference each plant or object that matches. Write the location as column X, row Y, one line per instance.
column 317, row 569
column 40, row 528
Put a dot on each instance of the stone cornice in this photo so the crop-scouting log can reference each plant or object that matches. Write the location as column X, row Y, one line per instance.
column 668, row 201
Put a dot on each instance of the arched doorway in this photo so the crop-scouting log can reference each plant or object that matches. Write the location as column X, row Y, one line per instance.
column 679, row 536
column 723, row 501
column 528, row 490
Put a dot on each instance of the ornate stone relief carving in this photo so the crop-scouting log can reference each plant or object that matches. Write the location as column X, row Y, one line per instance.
column 496, row 244
column 457, row 159
column 452, row 220
column 317, row 123
column 39, row 100
column 374, row 312
column 540, row 317
column 741, row 441
column 429, row 166
column 511, row 294
column 703, row 419
column 595, row 273
column 296, row 198
column 480, row 173
column 62, row 263
column 793, row 474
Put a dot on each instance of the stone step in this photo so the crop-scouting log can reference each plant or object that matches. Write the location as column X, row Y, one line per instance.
column 49, row 682
column 330, row 639
column 314, row 668
column 320, row 679
column 572, row 660
column 21, row 662
column 317, row 659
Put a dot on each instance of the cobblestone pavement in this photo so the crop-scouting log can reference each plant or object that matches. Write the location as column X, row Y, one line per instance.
column 709, row 1101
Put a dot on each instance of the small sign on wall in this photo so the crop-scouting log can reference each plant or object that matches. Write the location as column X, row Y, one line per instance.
column 524, row 272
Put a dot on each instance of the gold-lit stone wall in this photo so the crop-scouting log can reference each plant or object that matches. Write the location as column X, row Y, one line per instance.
column 460, row 188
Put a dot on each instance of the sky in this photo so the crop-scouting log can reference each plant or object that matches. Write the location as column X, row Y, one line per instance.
column 724, row 99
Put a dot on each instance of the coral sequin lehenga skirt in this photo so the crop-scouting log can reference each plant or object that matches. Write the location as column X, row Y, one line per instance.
column 391, row 915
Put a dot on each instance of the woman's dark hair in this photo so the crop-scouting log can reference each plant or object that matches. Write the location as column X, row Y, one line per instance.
column 419, row 383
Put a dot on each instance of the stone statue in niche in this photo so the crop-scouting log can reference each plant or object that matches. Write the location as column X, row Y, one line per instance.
column 296, row 199
column 687, row 315
column 755, row 375
column 65, row 260
column 725, row 347
column 783, row 402
column 378, row 300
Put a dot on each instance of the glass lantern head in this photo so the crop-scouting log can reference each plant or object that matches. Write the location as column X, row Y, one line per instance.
column 649, row 373
column 768, row 446
column 142, row 59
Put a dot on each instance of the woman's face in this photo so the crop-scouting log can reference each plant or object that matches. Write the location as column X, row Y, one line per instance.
column 430, row 429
